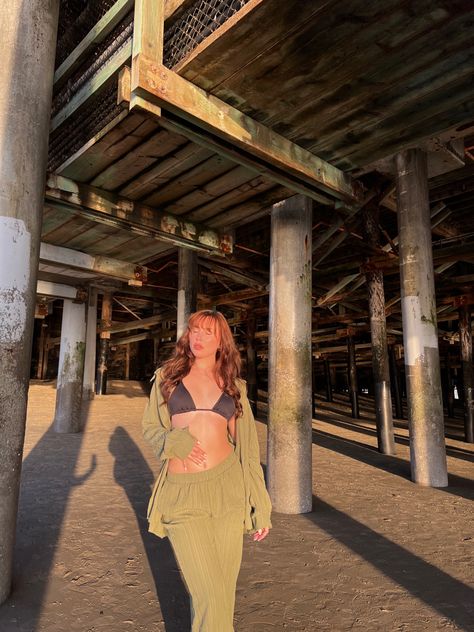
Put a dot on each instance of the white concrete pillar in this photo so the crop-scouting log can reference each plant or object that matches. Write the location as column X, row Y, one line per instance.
column 187, row 287
column 420, row 331
column 91, row 347
column 67, row 417
column 290, row 383
column 28, row 40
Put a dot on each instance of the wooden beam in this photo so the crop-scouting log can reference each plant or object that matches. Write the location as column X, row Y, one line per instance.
column 144, row 323
column 101, row 265
column 148, row 26
column 238, row 277
column 155, row 83
column 60, row 290
column 231, row 297
column 109, row 208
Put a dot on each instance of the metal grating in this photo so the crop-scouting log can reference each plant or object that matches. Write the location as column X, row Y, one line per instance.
column 98, row 58
column 76, row 19
column 76, row 132
column 203, row 18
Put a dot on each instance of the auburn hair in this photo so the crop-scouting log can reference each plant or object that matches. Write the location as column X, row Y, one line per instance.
column 227, row 368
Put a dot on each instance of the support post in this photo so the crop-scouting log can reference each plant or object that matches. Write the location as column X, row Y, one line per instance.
column 420, row 335
column 252, row 386
column 289, row 418
column 187, row 288
column 395, row 383
column 465, row 341
column 352, row 377
column 67, row 417
column 449, row 386
column 378, row 334
column 41, row 350
column 314, row 386
column 327, row 376
column 26, row 74
column 104, row 343
column 91, row 347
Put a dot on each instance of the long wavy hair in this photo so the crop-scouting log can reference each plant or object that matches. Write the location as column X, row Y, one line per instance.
column 227, row 368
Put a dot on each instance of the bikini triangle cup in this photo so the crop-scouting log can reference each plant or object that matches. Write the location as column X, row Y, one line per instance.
column 181, row 401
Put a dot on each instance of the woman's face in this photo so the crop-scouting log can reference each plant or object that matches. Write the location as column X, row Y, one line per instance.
column 204, row 340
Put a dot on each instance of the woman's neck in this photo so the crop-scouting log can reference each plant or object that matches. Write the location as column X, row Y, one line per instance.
column 204, row 365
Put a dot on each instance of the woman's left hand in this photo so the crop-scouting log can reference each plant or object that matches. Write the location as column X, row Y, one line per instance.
column 261, row 534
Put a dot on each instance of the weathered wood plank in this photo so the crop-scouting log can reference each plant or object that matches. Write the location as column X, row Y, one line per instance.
column 220, row 203
column 338, row 63
column 111, row 209
column 156, row 176
column 250, row 210
column 160, row 85
column 191, row 180
column 213, row 190
column 107, row 147
column 147, row 153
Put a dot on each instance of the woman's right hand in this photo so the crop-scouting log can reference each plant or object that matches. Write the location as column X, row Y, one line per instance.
column 197, row 454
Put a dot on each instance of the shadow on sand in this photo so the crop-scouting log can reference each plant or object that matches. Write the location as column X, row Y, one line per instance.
column 132, row 473
column 442, row 592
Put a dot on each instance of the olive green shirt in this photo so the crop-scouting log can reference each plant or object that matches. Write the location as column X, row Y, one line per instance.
column 168, row 442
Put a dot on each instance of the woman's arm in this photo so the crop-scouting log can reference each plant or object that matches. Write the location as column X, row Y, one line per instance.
column 165, row 442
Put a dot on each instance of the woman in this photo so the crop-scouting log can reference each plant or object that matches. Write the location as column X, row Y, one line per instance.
column 210, row 488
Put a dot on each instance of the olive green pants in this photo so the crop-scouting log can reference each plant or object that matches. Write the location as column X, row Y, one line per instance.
column 203, row 514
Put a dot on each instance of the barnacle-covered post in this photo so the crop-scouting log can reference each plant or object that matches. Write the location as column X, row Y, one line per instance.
column 378, row 334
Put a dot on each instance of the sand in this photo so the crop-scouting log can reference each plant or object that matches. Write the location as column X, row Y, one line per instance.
column 377, row 553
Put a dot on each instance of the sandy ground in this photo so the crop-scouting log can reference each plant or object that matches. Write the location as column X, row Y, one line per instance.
column 378, row 553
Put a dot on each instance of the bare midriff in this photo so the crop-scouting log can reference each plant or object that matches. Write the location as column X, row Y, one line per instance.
column 211, row 430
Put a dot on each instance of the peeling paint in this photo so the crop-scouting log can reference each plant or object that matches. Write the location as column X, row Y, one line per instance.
column 15, row 246
column 419, row 332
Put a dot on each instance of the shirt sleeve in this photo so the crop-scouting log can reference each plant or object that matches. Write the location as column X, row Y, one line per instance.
column 261, row 506
column 165, row 442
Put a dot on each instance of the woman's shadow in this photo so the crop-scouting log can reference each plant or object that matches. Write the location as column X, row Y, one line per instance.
column 132, row 473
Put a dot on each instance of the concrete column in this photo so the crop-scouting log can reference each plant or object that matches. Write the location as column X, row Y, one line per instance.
column 289, row 415
column 378, row 333
column 420, row 335
column 91, row 347
column 252, row 387
column 352, row 377
column 465, row 341
column 26, row 75
column 395, row 383
column 187, row 287
column 67, row 417
column 104, row 343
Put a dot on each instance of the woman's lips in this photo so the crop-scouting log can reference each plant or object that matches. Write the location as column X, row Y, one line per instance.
column 198, row 347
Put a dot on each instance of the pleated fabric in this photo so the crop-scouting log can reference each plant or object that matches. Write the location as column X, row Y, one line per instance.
column 203, row 516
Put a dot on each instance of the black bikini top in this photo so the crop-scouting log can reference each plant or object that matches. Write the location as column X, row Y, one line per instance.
column 180, row 401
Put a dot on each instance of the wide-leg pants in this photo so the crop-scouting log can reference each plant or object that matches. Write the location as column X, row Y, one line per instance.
column 203, row 514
